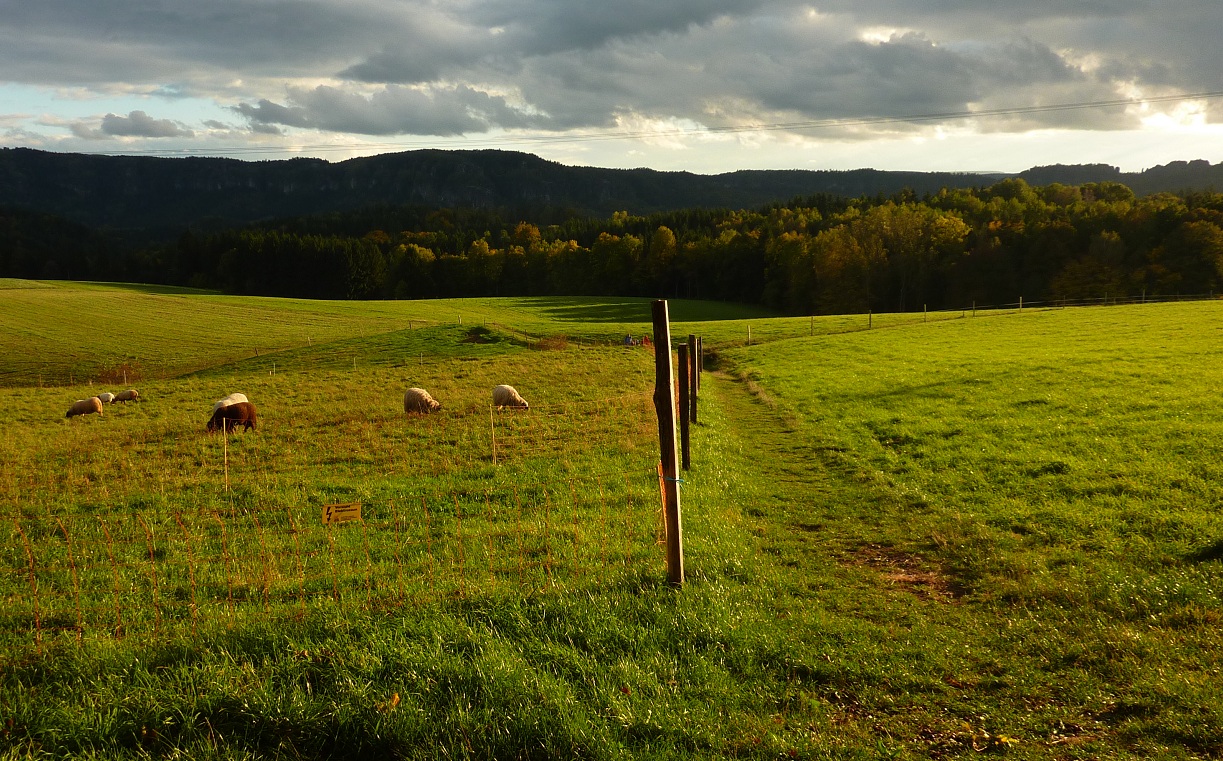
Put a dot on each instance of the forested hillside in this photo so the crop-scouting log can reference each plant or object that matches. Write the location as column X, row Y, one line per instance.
column 822, row 254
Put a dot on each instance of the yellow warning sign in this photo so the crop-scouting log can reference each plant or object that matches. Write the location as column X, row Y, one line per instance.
column 339, row 513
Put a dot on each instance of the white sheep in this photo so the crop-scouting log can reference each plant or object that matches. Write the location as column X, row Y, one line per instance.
column 130, row 395
column 106, row 397
column 419, row 400
column 508, row 396
column 85, row 407
column 231, row 399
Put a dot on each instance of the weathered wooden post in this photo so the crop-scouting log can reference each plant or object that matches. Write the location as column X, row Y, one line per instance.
column 664, row 405
column 685, row 399
column 700, row 359
column 694, row 372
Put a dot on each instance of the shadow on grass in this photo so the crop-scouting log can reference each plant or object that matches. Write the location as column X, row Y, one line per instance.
column 608, row 309
column 1212, row 552
column 162, row 290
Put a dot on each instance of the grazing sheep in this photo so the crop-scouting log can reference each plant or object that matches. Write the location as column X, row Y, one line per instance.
column 507, row 396
column 130, row 395
column 231, row 399
column 85, row 407
column 229, row 417
column 419, row 400
column 106, row 397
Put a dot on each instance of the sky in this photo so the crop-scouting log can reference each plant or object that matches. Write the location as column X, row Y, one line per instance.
column 705, row 86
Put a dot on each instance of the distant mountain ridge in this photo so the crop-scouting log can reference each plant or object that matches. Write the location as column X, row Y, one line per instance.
column 146, row 193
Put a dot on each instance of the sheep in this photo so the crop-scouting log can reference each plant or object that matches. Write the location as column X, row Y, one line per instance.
column 85, row 407
column 229, row 417
column 507, row 396
column 131, row 395
column 419, row 400
column 231, row 399
column 106, row 397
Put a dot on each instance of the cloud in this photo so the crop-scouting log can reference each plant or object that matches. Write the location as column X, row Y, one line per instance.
column 140, row 124
column 393, row 110
column 842, row 68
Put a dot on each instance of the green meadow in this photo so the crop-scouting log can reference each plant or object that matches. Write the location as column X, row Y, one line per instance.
column 946, row 536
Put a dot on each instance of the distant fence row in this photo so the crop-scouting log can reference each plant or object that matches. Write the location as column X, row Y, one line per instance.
column 133, row 574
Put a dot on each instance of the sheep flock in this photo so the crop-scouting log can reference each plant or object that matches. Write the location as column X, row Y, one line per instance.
column 236, row 410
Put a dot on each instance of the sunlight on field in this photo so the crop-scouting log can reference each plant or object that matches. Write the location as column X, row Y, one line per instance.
column 906, row 536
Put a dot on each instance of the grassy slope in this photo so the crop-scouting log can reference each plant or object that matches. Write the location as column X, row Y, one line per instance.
column 1054, row 478
column 61, row 333
column 856, row 587
column 67, row 333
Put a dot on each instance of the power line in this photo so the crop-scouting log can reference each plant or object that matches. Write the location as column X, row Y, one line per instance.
column 591, row 137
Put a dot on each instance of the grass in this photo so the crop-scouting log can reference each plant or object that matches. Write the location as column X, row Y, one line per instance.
column 994, row 535
column 1050, row 482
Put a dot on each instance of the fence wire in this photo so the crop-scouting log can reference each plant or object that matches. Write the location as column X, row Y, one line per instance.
column 129, row 574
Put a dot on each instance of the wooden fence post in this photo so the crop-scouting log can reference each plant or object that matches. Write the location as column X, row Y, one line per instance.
column 664, row 405
column 694, row 372
column 685, row 396
column 700, row 360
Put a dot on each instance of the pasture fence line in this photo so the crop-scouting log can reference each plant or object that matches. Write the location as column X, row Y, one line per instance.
column 870, row 320
column 129, row 574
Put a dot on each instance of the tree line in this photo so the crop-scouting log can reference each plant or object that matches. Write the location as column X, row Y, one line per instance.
column 816, row 255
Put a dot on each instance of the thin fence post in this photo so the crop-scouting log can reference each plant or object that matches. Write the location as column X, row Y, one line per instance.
column 148, row 538
column 398, row 552
column 603, row 533
column 694, row 372
column 229, row 579
column 577, row 571
column 294, row 531
column 664, row 404
column 195, row 611
column 488, row 514
column 114, row 567
column 685, row 390
column 267, row 577
column 521, row 538
column 492, row 428
column 369, row 565
column 547, row 533
column 424, row 501
column 335, row 581
column 76, row 585
column 700, row 362
column 458, row 519
column 29, row 554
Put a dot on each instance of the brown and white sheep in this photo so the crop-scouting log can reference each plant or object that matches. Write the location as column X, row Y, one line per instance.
column 85, row 407
column 508, row 396
column 231, row 399
column 419, row 400
column 131, row 395
column 229, row 417
column 106, row 397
